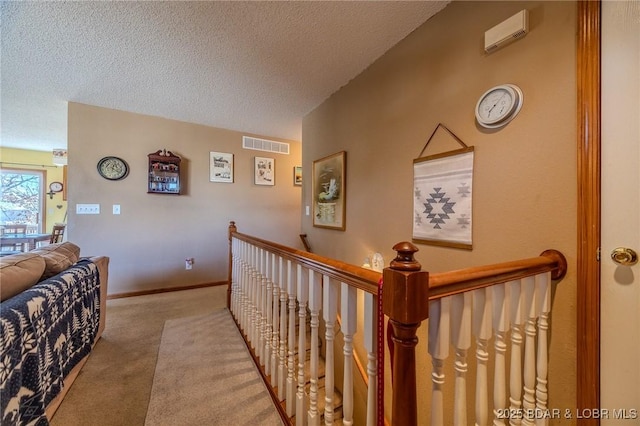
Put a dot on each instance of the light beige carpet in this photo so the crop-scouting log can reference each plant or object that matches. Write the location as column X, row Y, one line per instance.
column 205, row 376
column 114, row 386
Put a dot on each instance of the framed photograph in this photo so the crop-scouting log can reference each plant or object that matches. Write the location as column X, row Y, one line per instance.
column 329, row 191
column 297, row 175
column 264, row 171
column 442, row 199
column 220, row 167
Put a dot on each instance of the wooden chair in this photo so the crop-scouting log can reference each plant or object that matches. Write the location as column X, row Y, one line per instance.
column 57, row 233
column 12, row 230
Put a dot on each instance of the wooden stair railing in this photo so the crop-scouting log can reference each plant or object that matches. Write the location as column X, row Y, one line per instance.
column 273, row 287
column 448, row 299
column 272, row 290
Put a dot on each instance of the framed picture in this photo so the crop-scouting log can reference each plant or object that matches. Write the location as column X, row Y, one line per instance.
column 442, row 199
column 329, row 191
column 297, row 175
column 264, row 171
column 220, row 167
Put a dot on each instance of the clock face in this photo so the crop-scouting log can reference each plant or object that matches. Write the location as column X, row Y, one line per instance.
column 55, row 186
column 498, row 106
column 113, row 168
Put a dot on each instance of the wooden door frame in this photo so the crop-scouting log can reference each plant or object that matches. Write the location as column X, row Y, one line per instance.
column 589, row 220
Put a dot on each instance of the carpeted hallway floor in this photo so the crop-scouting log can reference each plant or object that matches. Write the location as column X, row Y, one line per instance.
column 114, row 387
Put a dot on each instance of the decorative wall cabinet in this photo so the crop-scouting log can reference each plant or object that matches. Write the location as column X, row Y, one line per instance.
column 164, row 173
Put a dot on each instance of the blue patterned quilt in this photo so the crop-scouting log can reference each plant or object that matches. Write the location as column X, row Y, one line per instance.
column 44, row 332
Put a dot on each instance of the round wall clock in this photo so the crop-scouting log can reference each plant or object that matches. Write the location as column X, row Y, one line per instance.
column 55, row 186
column 499, row 105
column 113, row 168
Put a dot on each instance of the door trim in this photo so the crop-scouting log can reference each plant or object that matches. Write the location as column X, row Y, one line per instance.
column 589, row 226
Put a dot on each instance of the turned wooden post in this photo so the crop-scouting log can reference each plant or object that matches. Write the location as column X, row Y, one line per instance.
column 405, row 298
column 232, row 229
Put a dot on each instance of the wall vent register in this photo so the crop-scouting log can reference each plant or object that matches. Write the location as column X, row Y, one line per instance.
column 265, row 145
column 507, row 31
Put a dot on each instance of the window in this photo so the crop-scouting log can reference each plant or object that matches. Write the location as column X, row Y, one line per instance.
column 21, row 197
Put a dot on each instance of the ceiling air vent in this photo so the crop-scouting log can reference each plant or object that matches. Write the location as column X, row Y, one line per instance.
column 265, row 145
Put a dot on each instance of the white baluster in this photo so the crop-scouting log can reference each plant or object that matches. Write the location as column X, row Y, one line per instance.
column 250, row 295
column 254, row 298
column 233, row 283
column 234, row 262
column 315, row 303
column 303, row 297
column 291, row 364
column 500, row 327
column 543, row 307
column 371, row 346
column 275, row 305
column 439, row 335
column 242, row 296
column 245, row 290
column 482, row 333
column 268, row 306
column 461, row 341
column 262, row 296
column 516, row 305
column 237, row 265
column 329, row 312
column 529, row 400
column 348, row 314
column 282, row 352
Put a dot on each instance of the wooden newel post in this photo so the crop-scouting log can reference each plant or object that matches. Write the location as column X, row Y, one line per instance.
column 232, row 229
column 405, row 296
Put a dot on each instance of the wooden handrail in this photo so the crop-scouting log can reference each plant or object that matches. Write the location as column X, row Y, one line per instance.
column 452, row 282
column 407, row 290
column 305, row 242
column 361, row 278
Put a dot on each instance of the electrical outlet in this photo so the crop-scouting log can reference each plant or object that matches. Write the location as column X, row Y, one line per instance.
column 87, row 208
column 188, row 264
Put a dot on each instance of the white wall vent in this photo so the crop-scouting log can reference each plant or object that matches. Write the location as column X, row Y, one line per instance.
column 265, row 145
column 507, row 31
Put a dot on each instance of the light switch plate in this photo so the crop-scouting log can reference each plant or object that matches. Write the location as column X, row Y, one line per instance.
column 116, row 209
column 87, row 208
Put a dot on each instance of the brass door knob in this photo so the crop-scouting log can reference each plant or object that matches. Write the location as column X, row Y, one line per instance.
column 624, row 256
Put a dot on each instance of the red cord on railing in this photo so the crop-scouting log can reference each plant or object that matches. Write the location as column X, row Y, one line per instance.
column 380, row 357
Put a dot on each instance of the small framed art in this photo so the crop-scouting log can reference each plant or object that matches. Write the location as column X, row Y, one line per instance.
column 329, row 191
column 264, row 171
column 297, row 175
column 220, row 167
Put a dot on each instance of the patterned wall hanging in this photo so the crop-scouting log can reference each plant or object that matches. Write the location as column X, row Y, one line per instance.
column 442, row 196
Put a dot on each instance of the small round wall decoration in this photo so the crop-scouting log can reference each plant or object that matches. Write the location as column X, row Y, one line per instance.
column 113, row 168
column 55, row 186
column 499, row 105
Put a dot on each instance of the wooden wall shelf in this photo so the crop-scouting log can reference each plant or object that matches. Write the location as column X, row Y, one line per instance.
column 164, row 173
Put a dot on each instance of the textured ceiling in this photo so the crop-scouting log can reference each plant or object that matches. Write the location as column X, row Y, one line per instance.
column 257, row 67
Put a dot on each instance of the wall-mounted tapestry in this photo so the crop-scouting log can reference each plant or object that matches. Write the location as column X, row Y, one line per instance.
column 442, row 197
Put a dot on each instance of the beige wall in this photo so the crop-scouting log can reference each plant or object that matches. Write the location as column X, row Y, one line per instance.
column 525, row 174
column 154, row 234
